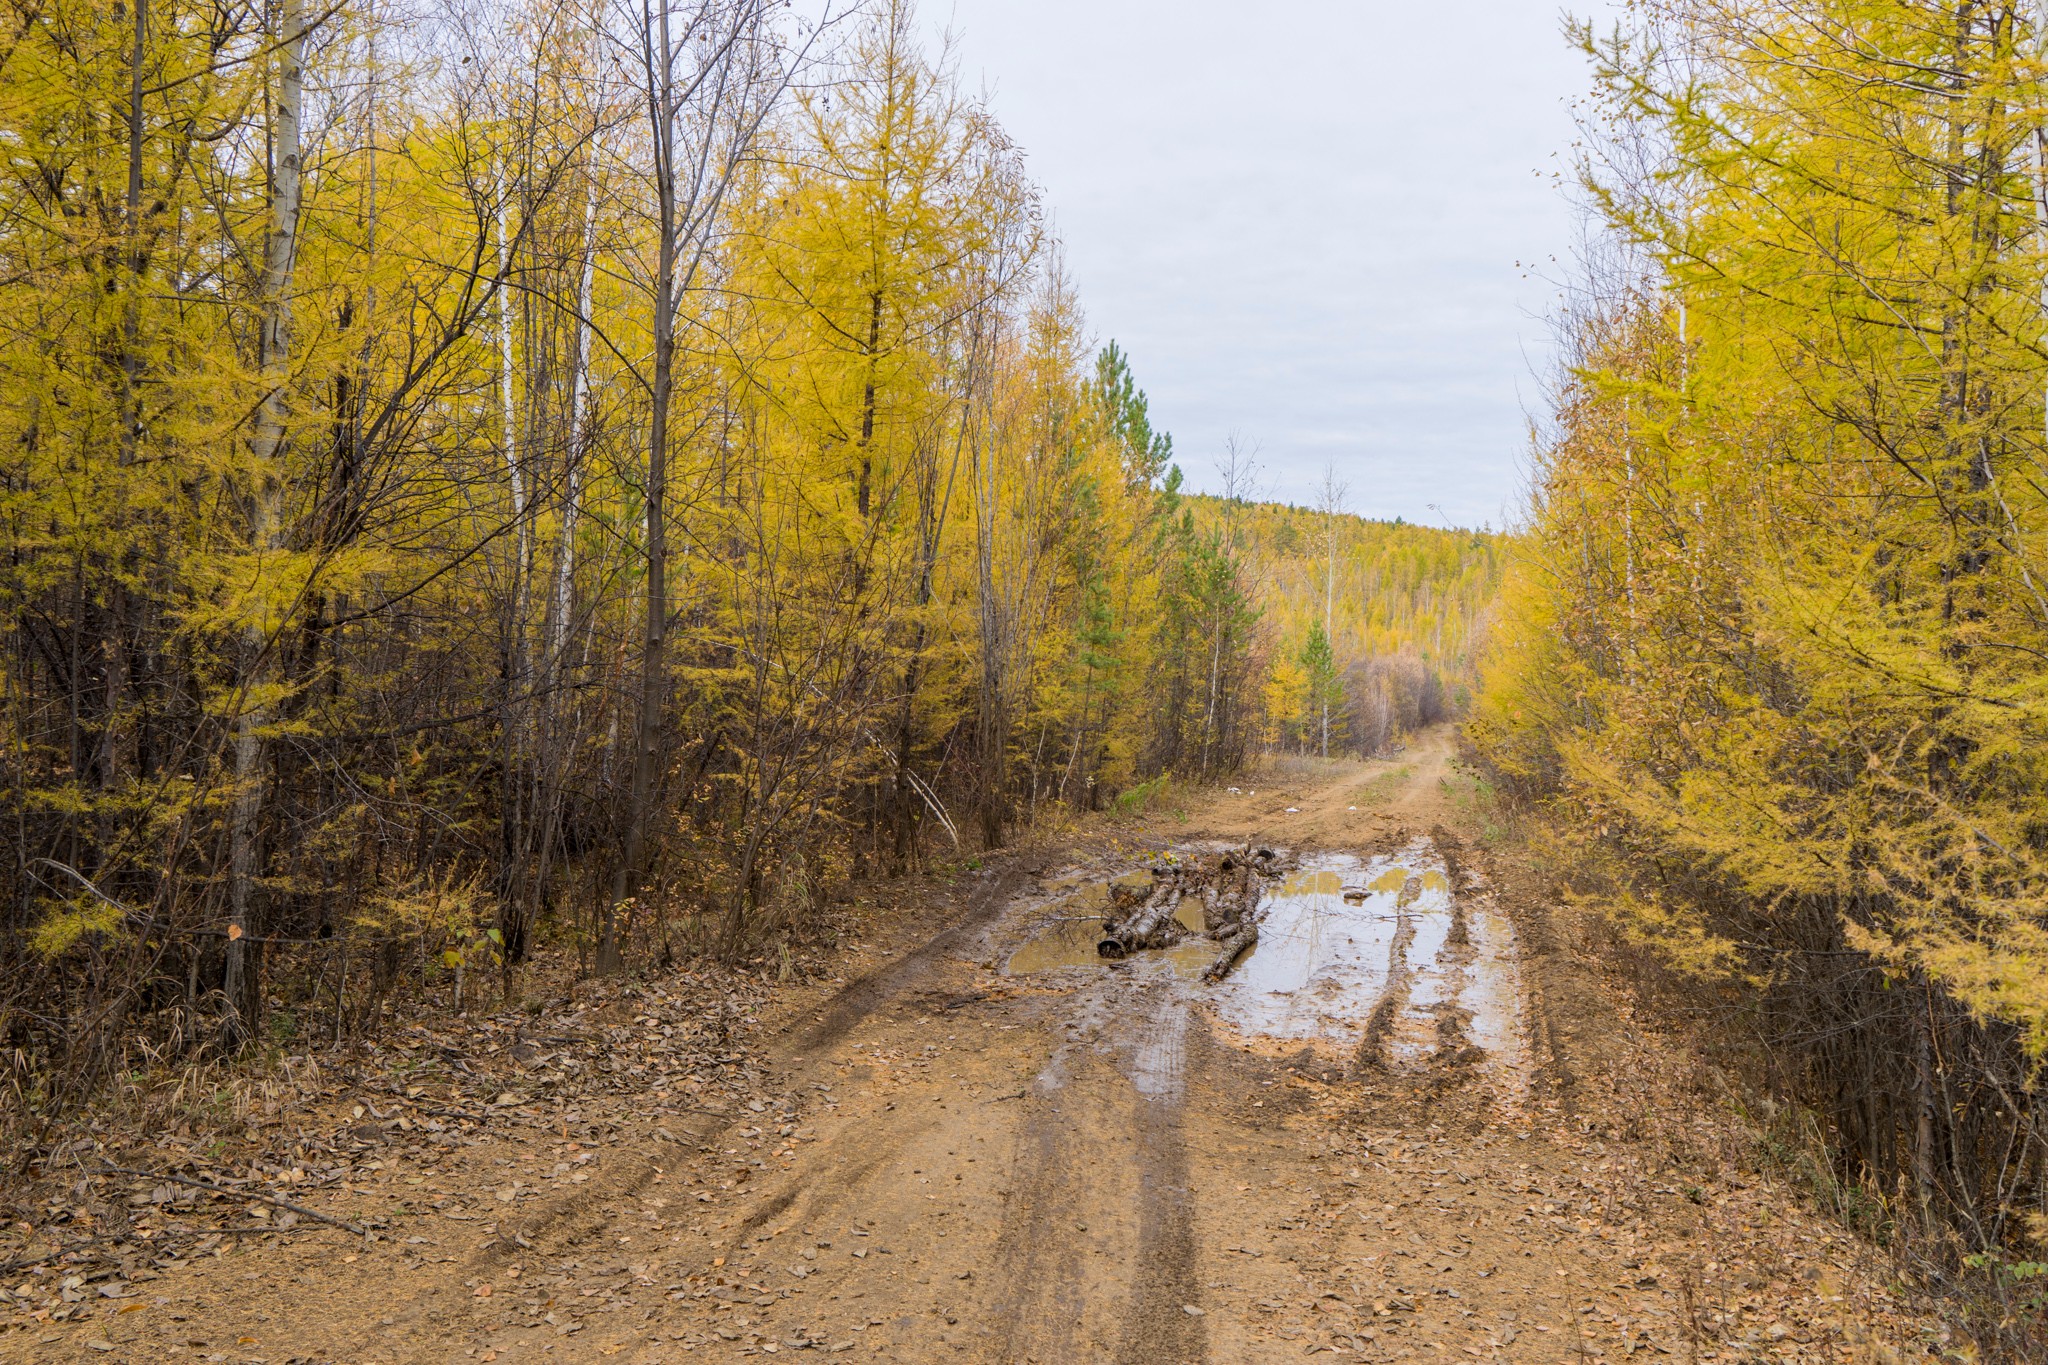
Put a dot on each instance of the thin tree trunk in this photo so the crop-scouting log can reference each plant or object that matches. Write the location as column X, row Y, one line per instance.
column 515, row 698
column 115, row 642
column 1215, row 675
column 1329, row 624
column 2041, row 174
column 266, row 517
column 992, row 719
column 1923, row 1103
column 508, row 419
column 864, row 486
column 563, row 604
column 556, row 739
column 653, row 660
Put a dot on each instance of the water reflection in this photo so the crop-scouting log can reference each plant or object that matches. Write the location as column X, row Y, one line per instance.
column 1339, row 936
column 1322, row 961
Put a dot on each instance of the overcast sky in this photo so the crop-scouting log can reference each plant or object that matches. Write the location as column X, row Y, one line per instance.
column 1302, row 221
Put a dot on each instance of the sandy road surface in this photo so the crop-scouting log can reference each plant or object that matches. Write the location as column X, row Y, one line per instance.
column 1087, row 1164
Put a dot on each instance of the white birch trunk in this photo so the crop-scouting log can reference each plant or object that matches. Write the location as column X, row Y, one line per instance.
column 579, row 400
column 266, row 445
column 507, row 414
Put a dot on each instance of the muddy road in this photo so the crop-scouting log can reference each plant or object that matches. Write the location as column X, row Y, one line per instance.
column 1409, row 1125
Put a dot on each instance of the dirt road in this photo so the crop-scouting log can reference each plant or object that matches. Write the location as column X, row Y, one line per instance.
column 1417, row 1127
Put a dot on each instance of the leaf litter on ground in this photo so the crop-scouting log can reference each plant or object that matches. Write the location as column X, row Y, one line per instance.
column 313, row 1146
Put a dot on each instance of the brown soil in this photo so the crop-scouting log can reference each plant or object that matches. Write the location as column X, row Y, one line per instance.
column 947, row 1162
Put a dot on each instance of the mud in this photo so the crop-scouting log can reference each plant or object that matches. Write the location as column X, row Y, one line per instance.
column 1074, row 928
column 1373, row 954
column 993, row 1148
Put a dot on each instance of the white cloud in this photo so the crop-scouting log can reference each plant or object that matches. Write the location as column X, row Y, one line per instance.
column 1303, row 220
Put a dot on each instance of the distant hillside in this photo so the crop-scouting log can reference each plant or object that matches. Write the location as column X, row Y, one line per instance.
column 1409, row 606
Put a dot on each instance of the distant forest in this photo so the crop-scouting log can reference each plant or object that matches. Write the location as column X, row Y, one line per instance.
column 1379, row 621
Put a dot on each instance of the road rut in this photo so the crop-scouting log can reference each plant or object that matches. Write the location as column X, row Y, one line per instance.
column 1104, row 1164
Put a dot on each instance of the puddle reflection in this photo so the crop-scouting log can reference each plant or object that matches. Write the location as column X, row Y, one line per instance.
column 1339, row 934
column 1322, row 961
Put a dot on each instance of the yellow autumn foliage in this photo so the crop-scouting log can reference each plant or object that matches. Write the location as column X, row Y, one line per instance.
column 1773, row 649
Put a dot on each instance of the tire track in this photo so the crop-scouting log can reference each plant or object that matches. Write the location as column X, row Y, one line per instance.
column 1379, row 1025
column 862, row 997
column 1160, row 1329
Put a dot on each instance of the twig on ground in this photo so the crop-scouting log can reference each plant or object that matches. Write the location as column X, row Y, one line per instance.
column 299, row 1209
column 22, row 1262
column 147, row 1244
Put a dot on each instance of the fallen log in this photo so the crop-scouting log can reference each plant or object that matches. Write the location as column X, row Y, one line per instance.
column 1127, row 903
column 1236, row 898
column 1229, row 886
column 1239, row 929
column 1153, row 926
column 1230, row 950
column 1219, row 901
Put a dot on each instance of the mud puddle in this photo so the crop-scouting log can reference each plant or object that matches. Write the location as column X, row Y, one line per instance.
column 1368, row 956
column 1070, row 939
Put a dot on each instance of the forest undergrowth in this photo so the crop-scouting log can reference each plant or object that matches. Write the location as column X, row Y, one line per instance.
column 1713, row 1099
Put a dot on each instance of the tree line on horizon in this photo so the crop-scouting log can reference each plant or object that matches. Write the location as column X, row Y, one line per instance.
column 1377, row 625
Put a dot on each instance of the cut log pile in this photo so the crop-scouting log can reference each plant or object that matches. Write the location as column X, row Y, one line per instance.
column 1228, row 886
